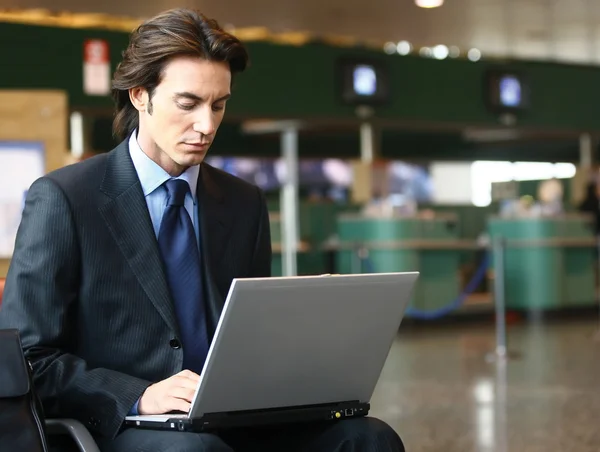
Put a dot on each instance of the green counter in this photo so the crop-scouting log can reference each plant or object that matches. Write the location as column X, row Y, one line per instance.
column 395, row 244
column 549, row 262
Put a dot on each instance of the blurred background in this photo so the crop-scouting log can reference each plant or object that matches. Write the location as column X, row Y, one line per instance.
column 458, row 138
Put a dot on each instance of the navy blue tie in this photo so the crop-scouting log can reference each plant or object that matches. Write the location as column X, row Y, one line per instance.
column 179, row 249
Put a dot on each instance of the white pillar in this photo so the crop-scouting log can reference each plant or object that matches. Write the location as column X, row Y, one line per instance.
column 77, row 134
column 366, row 143
column 289, row 202
column 585, row 151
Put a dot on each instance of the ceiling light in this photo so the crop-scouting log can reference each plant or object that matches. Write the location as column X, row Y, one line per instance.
column 429, row 3
column 425, row 52
column 440, row 52
column 404, row 47
column 474, row 55
column 389, row 48
column 454, row 52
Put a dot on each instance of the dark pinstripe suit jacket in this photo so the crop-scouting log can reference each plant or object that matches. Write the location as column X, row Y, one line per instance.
column 87, row 290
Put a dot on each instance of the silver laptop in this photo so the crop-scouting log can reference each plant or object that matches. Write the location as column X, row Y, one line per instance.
column 292, row 349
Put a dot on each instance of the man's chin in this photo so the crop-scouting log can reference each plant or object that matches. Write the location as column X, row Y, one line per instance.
column 192, row 159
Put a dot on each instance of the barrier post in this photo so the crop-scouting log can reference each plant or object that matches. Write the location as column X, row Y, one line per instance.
column 499, row 295
column 363, row 256
column 501, row 402
column 596, row 288
column 357, row 265
column 501, row 352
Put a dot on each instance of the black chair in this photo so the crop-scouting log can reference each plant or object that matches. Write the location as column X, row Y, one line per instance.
column 22, row 424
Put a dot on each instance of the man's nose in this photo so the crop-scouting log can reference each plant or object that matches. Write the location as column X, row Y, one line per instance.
column 205, row 122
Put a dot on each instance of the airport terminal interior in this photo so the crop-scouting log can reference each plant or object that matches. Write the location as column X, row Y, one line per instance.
column 456, row 138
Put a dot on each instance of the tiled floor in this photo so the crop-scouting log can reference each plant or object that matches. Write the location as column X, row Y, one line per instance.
column 441, row 394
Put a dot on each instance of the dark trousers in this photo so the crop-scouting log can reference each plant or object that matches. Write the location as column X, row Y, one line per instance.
column 352, row 435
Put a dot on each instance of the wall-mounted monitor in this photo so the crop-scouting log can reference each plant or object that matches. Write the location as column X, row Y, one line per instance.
column 362, row 81
column 507, row 91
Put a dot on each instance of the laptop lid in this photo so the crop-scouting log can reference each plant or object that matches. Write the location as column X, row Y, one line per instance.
column 294, row 341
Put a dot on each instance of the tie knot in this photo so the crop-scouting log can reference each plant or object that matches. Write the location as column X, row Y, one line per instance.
column 176, row 189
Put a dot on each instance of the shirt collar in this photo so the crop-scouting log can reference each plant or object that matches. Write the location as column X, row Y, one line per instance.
column 152, row 175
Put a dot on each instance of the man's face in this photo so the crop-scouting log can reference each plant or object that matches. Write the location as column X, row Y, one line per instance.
column 179, row 122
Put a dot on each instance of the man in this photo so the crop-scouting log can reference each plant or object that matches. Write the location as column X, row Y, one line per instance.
column 123, row 261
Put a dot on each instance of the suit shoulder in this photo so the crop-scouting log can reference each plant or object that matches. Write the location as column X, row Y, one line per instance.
column 229, row 182
column 80, row 175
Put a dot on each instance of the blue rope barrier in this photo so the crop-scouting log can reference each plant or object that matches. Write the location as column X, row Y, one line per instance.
column 454, row 305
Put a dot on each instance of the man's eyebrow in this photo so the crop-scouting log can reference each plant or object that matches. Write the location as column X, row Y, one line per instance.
column 192, row 96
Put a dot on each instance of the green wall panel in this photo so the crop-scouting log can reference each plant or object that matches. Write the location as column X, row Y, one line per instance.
column 289, row 81
column 48, row 57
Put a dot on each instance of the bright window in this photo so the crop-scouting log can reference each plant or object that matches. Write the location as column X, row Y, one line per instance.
column 483, row 173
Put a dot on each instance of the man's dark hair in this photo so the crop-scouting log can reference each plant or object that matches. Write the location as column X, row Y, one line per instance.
column 173, row 33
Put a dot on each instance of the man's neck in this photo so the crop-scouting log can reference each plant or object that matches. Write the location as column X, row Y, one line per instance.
column 155, row 153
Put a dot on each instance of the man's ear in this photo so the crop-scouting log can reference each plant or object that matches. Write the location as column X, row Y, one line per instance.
column 139, row 98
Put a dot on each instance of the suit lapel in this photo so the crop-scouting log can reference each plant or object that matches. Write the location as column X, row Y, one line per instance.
column 215, row 223
column 126, row 215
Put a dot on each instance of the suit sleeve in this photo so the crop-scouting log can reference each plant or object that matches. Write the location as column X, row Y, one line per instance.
column 41, row 301
column 261, row 262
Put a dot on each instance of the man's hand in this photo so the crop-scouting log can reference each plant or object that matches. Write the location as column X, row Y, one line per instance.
column 173, row 394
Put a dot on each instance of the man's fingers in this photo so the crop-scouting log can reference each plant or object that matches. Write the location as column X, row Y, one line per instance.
column 175, row 404
column 182, row 393
column 189, row 374
column 184, row 382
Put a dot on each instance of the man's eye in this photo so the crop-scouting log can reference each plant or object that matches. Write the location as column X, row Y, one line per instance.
column 218, row 107
column 186, row 106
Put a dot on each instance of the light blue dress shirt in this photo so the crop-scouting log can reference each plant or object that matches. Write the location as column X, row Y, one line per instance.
column 152, row 177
